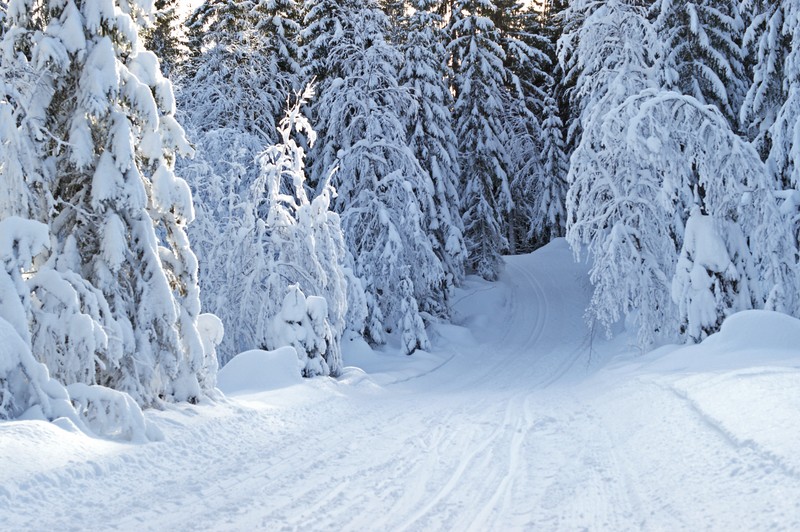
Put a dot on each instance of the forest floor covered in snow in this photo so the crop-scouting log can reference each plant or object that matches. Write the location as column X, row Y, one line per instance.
column 521, row 417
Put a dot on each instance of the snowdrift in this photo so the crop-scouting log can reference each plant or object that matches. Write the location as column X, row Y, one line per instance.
column 753, row 337
column 258, row 371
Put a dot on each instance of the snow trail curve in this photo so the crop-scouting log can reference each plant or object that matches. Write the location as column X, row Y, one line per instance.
column 516, row 430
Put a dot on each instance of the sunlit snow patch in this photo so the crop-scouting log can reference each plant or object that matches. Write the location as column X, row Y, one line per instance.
column 257, row 371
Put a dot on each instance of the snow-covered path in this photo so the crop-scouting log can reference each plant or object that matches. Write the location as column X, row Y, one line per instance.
column 515, row 426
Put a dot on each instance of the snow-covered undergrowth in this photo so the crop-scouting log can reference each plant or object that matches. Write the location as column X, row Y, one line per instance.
column 520, row 417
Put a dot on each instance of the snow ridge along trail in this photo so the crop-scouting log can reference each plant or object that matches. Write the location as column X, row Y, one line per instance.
column 513, row 426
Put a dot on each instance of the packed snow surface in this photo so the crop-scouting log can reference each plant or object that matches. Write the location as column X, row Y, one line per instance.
column 520, row 417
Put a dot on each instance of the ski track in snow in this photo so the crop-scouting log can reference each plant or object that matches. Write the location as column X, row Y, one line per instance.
column 514, row 431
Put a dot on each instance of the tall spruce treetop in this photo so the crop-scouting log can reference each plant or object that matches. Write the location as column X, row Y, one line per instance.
column 119, row 213
column 324, row 25
column 244, row 63
column 704, row 58
column 430, row 131
column 784, row 133
column 479, row 84
column 165, row 37
column 767, row 46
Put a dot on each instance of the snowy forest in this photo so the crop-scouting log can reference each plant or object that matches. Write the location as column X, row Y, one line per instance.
column 184, row 183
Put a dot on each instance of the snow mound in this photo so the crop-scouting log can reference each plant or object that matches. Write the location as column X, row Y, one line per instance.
column 258, row 370
column 748, row 338
column 758, row 329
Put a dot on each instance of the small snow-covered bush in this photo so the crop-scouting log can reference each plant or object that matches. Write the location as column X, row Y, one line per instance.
column 302, row 323
column 708, row 286
column 212, row 331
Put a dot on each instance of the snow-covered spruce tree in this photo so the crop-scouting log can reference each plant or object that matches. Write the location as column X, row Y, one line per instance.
column 568, row 19
column 707, row 285
column 72, row 328
column 430, row 132
column 783, row 160
column 638, row 175
column 770, row 114
column 244, row 63
column 396, row 12
column 547, row 208
column 56, row 313
column 118, row 212
column 379, row 181
column 480, row 109
column 525, row 65
column 703, row 56
column 784, row 133
column 539, row 183
column 304, row 250
column 323, row 27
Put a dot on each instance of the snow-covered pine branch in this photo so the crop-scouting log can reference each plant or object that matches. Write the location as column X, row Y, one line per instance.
column 25, row 383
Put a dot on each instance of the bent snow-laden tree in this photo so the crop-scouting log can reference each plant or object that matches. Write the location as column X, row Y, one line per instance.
column 652, row 163
column 305, row 254
column 105, row 140
column 611, row 56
